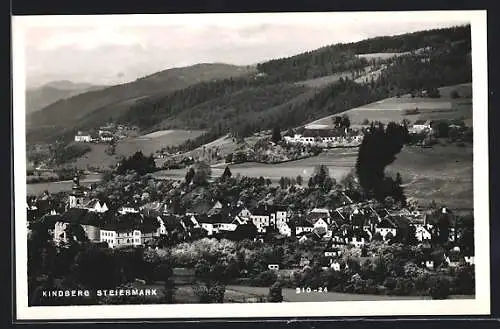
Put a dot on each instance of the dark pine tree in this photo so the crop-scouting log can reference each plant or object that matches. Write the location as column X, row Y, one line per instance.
column 189, row 175
column 227, row 173
column 276, row 137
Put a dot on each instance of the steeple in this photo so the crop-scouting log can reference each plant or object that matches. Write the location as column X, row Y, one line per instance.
column 76, row 196
column 76, row 185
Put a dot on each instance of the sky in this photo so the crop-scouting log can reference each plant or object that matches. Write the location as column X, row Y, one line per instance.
column 120, row 48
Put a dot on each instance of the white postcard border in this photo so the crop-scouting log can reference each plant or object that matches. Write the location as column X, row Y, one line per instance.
column 478, row 306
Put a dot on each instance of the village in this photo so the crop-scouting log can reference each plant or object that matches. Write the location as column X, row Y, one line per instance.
column 350, row 226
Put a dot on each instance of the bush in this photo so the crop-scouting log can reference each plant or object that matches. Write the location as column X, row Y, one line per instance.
column 440, row 289
column 213, row 294
column 265, row 279
column 275, row 293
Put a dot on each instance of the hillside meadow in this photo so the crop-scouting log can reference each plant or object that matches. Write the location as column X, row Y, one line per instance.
column 394, row 109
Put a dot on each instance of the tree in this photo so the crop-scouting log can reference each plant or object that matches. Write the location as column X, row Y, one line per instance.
column 327, row 184
column 299, row 180
column 189, row 175
column 320, row 175
column 282, row 183
column 202, row 172
column 275, row 293
column 227, row 173
column 276, row 136
column 337, row 121
column 442, row 129
column 379, row 149
column 346, row 122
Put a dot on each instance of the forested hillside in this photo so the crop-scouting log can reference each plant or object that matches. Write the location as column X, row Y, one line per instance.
column 70, row 111
column 271, row 97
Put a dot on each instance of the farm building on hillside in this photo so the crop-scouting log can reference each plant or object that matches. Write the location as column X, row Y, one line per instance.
column 83, row 137
column 325, row 137
column 421, row 126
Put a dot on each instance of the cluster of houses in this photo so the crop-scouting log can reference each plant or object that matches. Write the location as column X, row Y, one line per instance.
column 105, row 134
column 328, row 138
column 353, row 224
column 102, row 136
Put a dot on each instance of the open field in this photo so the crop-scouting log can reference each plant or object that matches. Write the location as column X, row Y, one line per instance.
column 393, row 109
column 153, row 142
column 61, row 186
column 443, row 174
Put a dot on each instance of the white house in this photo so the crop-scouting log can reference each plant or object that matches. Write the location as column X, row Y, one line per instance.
column 429, row 264
column 96, row 206
column 128, row 237
column 209, row 227
column 357, row 242
column 421, row 126
column 335, row 265
column 267, row 215
column 284, row 229
column 108, row 236
column 333, row 253
column 81, row 137
column 422, row 234
column 303, row 228
column 321, row 223
column 469, row 260
column 127, row 210
column 228, row 227
column 385, row 227
column 162, row 230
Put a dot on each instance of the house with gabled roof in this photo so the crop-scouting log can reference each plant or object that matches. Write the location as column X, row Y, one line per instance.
column 303, row 225
column 320, row 213
column 357, row 217
column 96, row 205
column 223, row 222
column 385, row 227
column 453, row 259
column 422, row 234
column 266, row 215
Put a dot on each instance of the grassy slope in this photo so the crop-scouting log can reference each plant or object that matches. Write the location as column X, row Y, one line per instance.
column 392, row 109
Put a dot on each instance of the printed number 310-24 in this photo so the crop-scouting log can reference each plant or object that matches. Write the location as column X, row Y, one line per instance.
column 309, row 290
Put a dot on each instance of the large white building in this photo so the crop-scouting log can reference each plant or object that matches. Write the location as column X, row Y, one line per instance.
column 82, row 137
column 421, row 126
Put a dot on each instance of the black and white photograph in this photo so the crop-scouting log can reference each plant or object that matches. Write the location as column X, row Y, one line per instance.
column 251, row 165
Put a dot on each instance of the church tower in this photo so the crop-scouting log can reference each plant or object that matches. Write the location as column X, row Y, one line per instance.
column 76, row 196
